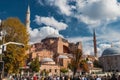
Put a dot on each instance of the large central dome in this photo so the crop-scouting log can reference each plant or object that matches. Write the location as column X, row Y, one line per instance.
column 111, row 51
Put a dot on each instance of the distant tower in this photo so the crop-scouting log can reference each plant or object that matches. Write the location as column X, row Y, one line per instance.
column 79, row 45
column 28, row 18
column 94, row 42
column 112, row 44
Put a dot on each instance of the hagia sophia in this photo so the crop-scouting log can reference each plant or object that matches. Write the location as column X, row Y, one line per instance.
column 53, row 53
column 56, row 52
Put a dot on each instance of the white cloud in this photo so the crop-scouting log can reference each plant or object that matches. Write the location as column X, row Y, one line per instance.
column 38, row 34
column 104, row 45
column 95, row 12
column 88, row 21
column 63, row 7
column 76, row 39
column 109, row 34
column 91, row 12
column 50, row 21
column 48, row 2
column 40, row 2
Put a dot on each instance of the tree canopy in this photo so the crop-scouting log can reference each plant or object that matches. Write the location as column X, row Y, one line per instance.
column 35, row 65
column 97, row 64
column 14, row 56
column 63, row 70
column 77, row 62
column 77, row 55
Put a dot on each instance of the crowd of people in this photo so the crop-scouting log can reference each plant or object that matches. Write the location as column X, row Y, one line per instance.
column 80, row 77
column 83, row 77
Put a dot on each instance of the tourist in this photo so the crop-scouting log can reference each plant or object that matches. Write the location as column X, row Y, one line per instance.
column 98, row 78
column 113, row 77
column 119, row 77
column 34, row 77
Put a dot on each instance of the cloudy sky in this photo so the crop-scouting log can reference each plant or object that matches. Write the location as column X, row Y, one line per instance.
column 73, row 20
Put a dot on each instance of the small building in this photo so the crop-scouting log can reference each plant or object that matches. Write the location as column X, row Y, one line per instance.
column 110, row 60
column 48, row 66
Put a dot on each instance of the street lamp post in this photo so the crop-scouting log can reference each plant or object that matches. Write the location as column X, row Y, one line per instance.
column 2, row 37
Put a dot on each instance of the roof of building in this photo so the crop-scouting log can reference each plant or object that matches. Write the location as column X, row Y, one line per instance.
column 111, row 51
column 89, row 62
column 47, row 60
column 62, row 56
column 54, row 36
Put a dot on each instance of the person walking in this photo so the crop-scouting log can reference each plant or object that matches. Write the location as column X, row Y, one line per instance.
column 98, row 78
column 113, row 77
column 34, row 77
column 119, row 77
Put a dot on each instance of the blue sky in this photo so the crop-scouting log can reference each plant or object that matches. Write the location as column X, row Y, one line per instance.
column 72, row 19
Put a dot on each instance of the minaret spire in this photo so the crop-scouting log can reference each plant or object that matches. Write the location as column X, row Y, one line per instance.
column 28, row 18
column 95, row 43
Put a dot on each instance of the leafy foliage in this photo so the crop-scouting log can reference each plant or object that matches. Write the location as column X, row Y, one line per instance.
column 44, row 73
column 63, row 70
column 97, row 64
column 14, row 57
column 77, row 56
column 84, row 65
column 77, row 62
column 35, row 65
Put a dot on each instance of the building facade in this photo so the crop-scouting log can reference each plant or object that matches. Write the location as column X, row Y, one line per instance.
column 49, row 67
column 55, row 48
column 110, row 60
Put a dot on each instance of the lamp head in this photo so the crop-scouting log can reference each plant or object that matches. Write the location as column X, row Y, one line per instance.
column 0, row 22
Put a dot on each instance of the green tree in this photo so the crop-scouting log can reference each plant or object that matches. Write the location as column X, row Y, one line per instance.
column 97, row 64
column 63, row 70
column 44, row 72
column 14, row 56
column 35, row 65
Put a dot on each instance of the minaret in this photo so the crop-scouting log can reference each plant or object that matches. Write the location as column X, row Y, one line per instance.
column 94, row 42
column 28, row 18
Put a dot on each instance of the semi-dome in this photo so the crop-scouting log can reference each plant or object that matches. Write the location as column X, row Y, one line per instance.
column 111, row 51
column 62, row 56
column 47, row 60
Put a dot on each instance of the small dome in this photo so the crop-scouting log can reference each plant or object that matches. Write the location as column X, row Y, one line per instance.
column 62, row 56
column 111, row 51
column 47, row 60
column 89, row 62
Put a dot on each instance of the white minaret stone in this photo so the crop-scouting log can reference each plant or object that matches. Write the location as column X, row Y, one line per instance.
column 28, row 18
